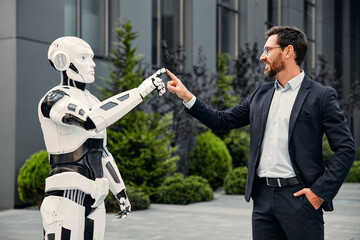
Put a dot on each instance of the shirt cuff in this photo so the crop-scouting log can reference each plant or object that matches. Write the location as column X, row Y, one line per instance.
column 190, row 103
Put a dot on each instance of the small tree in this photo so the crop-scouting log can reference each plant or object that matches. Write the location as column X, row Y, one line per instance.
column 196, row 79
column 224, row 95
column 140, row 141
column 142, row 150
column 248, row 72
column 326, row 75
column 31, row 179
column 125, row 72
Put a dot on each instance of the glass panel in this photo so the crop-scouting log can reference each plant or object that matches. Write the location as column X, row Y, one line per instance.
column 93, row 24
column 70, row 18
column 170, row 27
column 227, row 32
column 229, row 3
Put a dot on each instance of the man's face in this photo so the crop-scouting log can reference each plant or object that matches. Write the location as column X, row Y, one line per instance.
column 272, row 57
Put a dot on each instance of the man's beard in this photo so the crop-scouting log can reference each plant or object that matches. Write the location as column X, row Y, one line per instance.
column 275, row 67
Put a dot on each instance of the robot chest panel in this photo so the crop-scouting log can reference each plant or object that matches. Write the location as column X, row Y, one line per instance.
column 84, row 96
column 70, row 137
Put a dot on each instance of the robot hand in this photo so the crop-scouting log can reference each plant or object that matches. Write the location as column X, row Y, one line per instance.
column 152, row 82
column 124, row 203
column 158, row 82
column 159, row 85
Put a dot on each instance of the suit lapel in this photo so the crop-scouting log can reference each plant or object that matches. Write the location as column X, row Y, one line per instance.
column 299, row 101
column 266, row 108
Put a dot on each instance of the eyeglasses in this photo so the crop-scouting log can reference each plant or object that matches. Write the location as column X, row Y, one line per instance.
column 267, row 49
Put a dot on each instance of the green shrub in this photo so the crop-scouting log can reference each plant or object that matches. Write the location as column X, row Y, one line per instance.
column 179, row 190
column 235, row 181
column 238, row 143
column 327, row 152
column 354, row 174
column 210, row 159
column 138, row 199
column 357, row 158
column 31, row 179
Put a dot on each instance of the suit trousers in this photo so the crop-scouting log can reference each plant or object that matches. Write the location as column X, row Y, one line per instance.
column 277, row 214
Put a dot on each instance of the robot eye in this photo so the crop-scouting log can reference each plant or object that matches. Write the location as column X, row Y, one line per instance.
column 83, row 57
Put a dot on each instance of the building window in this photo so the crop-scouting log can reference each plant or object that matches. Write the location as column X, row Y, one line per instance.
column 227, row 27
column 167, row 26
column 338, row 37
column 272, row 13
column 310, row 21
column 89, row 20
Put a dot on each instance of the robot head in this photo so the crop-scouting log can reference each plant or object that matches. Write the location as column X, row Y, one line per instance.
column 75, row 56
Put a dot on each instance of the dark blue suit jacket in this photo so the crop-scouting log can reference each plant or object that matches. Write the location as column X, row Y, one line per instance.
column 315, row 112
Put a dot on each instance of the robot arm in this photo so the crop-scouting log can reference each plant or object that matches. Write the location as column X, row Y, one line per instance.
column 64, row 109
column 112, row 109
column 117, row 186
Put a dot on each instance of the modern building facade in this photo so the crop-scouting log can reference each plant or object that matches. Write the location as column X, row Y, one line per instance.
column 28, row 27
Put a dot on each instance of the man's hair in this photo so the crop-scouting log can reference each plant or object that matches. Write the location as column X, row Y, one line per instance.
column 288, row 35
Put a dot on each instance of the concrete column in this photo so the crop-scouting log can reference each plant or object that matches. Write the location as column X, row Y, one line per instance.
column 7, row 102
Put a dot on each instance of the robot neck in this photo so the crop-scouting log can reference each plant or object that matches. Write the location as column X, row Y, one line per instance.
column 66, row 81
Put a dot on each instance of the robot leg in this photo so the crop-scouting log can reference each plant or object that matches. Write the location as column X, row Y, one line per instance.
column 62, row 219
column 95, row 223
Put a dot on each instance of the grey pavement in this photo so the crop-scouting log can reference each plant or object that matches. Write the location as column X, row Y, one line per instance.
column 225, row 218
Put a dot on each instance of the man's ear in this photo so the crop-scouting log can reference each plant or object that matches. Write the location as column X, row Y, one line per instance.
column 289, row 51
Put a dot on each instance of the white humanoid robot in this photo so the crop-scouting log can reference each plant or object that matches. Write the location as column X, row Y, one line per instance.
column 74, row 124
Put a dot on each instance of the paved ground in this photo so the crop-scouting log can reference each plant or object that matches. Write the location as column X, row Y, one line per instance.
column 224, row 218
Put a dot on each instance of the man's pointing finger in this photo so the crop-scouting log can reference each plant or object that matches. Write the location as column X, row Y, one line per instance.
column 173, row 77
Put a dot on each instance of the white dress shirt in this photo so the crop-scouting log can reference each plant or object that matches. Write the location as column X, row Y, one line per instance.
column 190, row 103
column 275, row 159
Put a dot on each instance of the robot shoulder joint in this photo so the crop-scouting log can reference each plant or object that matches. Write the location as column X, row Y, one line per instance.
column 49, row 101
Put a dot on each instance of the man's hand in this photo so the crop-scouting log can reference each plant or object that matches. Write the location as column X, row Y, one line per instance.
column 311, row 196
column 124, row 203
column 176, row 86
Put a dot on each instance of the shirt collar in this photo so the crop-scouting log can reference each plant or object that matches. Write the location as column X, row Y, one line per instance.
column 291, row 84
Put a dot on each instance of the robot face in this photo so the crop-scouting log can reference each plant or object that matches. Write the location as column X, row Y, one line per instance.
column 82, row 59
column 75, row 56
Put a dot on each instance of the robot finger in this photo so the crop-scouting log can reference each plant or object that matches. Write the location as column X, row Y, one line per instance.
column 122, row 214
column 161, row 86
column 161, row 90
column 159, row 72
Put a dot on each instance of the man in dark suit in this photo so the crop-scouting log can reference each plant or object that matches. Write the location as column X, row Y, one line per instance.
column 287, row 178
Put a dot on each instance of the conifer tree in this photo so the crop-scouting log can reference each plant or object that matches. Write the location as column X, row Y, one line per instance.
column 140, row 141
column 224, row 95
